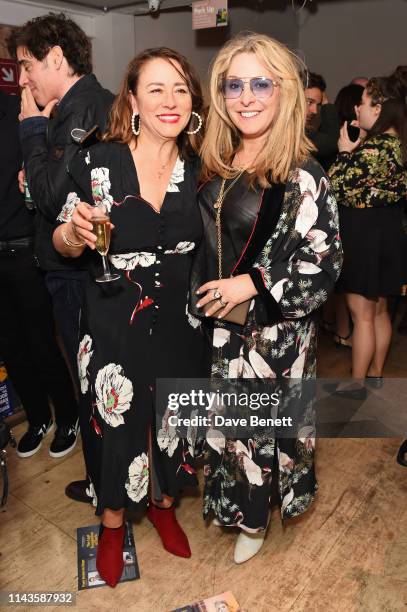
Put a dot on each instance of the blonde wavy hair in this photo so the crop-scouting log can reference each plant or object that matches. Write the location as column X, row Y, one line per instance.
column 286, row 145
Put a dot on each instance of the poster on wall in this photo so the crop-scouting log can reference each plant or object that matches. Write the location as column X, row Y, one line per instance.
column 209, row 14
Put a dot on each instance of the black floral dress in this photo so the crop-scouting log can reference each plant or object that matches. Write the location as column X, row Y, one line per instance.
column 136, row 329
column 287, row 239
column 370, row 185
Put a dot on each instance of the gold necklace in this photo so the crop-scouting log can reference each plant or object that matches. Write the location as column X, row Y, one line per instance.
column 222, row 193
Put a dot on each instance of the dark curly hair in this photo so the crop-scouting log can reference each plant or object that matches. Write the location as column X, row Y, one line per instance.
column 391, row 93
column 39, row 35
column 315, row 80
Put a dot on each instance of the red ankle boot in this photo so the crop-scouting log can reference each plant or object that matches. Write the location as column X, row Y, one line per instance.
column 172, row 536
column 109, row 558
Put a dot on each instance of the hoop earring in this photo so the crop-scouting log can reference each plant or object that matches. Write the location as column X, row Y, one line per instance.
column 135, row 131
column 199, row 124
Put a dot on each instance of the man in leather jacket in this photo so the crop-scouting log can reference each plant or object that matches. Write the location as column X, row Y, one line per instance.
column 28, row 343
column 61, row 101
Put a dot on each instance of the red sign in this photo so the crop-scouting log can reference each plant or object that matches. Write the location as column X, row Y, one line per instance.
column 9, row 76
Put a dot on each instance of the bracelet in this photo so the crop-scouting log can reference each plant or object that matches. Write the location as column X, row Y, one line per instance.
column 75, row 233
column 69, row 243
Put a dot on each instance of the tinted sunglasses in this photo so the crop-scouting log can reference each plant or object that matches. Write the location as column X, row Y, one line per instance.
column 261, row 87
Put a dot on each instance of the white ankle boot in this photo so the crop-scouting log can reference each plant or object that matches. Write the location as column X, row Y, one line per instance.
column 248, row 545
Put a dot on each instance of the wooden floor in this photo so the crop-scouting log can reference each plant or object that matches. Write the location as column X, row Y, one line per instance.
column 348, row 553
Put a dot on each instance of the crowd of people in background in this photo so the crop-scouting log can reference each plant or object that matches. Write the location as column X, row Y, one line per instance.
column 265, row 130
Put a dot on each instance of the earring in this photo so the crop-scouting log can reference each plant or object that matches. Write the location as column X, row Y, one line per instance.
column 199, row 124
column 135, row 131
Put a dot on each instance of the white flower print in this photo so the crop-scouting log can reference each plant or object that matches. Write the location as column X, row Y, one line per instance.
column 287, row 499
column 87, row 158
column 307, row 267
column 317, row 240
column 167, row 436
column 220, row 337
column 191, row 434
column 114, row 393
column 137, row 482
column 297, row 368
column 67, row 210
column 285, row 462
column 84, row 355
column 181, row 248
column 239, row 368
column 251, row 469
column 260, row 366
column 193, row 321
column 101, row 187
column 90, row 491
column 129, row 261
column 308, row 211
column 177, row 176
column 216, row 440
column 278, row 289
column 270, row 332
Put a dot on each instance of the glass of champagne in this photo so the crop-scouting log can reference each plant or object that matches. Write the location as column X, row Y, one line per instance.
column 102, row 230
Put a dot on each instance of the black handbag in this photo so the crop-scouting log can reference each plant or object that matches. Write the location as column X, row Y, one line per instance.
column 6, row 437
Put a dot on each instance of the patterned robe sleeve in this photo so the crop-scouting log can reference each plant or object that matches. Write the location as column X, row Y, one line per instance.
column 298, row 276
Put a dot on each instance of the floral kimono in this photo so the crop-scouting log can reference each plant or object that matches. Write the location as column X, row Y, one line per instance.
column 287, row 239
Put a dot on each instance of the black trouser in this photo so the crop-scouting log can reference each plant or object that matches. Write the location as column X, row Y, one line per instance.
column 28, row 344
column 67, row 298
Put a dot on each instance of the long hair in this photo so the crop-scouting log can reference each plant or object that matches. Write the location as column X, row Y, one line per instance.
column 390, row 92
column 119, row 126
column 286, row 145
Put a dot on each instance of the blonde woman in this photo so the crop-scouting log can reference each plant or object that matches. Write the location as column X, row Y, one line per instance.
column 280, row 250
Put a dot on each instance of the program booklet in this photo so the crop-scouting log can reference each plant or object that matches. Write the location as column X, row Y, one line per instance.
column 225, row 602
column 88, row 576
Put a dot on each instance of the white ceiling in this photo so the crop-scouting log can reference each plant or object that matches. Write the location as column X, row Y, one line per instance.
column 131, row 7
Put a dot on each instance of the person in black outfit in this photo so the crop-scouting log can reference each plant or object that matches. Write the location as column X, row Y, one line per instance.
column 322, row 121
column 54, row 55
column 27, row 338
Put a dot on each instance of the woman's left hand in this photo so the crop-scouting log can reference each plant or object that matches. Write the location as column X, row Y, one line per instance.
column 345, row 144
column 232, row 291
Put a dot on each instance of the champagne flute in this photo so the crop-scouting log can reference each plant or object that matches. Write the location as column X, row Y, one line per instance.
column 102, row 231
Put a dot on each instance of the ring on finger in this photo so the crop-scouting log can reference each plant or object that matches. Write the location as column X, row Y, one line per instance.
column 217, row 294
column 222, row 303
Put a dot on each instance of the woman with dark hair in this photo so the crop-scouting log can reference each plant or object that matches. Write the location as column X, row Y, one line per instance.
column 138, row 328
column 336, row 317
column 347, row 99
column 369, row 179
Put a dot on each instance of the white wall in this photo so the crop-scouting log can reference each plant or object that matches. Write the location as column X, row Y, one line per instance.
column 174, row 29
column 16, row 13
column 112, row 35
column 348, row 38
column 113, row 47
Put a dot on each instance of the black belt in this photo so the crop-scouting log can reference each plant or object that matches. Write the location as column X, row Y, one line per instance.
column 9, row 246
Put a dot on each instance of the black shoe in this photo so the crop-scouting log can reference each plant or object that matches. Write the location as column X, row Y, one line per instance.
column 401, row 455
column 31, row 441
column 64, row 440
column 375, row 382
column 79, row 490
column 356, row 394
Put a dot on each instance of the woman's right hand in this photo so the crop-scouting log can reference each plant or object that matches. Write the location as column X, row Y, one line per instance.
column 82, row 226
